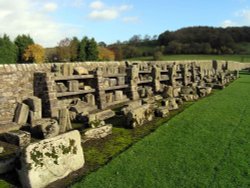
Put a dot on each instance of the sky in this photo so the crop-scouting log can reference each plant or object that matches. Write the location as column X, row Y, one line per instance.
column 49, row 21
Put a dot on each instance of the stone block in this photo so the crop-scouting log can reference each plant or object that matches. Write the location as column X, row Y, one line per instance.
column 1, row 149
column 109, row 97
column 162, row 112
column 112, row 82
column 18, row 138
column 60, row 87
column 73, row 85
column 8, row 126
column 50, row 160
column 172, row 104
column 64, row 120
column 34, row 103
column 118, row 95
column 87, row 88
column 97, row 133
column 158, row 97
column 81, row 71
column 121, row 80
column 140, row 115
column 47, row 128
column 21, row 114
column 168, row 92
column 105, row 114
column 90, row 98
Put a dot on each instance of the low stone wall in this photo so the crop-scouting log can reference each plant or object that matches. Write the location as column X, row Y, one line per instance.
column 17, row 80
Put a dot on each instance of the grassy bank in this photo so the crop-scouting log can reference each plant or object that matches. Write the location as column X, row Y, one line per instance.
column 238, row 58
column 207, row 145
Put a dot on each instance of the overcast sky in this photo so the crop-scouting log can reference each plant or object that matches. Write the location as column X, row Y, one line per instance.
column 49, row 21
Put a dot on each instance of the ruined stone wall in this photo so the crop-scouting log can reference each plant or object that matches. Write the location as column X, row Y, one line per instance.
column 17, row 81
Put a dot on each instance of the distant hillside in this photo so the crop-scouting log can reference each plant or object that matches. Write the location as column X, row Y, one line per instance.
column 190, row 40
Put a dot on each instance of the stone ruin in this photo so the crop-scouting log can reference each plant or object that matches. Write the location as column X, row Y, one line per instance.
column 48, row 148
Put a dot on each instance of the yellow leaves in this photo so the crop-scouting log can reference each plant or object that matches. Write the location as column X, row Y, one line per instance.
column 34, row 53
column 105, row 54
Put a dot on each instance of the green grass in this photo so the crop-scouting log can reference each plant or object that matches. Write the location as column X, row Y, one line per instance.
column 207, row 145
column 238, row 58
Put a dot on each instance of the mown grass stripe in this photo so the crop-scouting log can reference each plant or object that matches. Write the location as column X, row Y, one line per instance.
column 207, row 145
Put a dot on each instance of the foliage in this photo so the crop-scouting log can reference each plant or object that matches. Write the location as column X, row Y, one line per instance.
column 91, row 50
column 22, row 42
column 239, row 58
column 8, row 51
column 197, row 148
column 63, row 50
column 82, row 49
column 74, row 49
column 104, row 54
column 34, row 53
column 157, row 55
column 204, row 40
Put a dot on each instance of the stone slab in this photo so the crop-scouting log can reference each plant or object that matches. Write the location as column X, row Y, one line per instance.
column 51, row 159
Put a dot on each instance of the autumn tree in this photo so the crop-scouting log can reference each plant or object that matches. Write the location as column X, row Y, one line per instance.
column 34, row 53
column 63, row 50
column 104, row 54
column 8, row 50
column 22, row 42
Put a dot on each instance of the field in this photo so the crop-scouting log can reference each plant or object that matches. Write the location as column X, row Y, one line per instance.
column 238, row 58
column 207, row 145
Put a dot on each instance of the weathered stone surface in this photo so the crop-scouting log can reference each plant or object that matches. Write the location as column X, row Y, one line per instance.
column 60, row 87
column 35, row 106
column 51, row 159
column 97, row 133
column 121, row 80
column 22, row 113
column 19, row 138
column 8, row 157
column 90, row 98
column 73, row 85
column 204, row 91
column 9, row 126
column 64, row 120
column 162, row 112
column 1, row 149
column 138, row 116
column 79, row 107
column 131, row 105
column 112, row 82
column 118, row 95
column 48, row 128
column 81, row 71
column 158, row 97
column 103, row 115
column 172, row 104
column 168, row 92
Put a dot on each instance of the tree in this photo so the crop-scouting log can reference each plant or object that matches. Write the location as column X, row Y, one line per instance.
column 63, row 50
column 22, row 42
column 8, row 50
column 82, row 49
column 104, row 54
column 34, row 53
column 74, row 49
column 91, row 50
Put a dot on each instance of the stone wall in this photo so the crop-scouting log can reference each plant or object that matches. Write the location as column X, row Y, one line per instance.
column 17, row 81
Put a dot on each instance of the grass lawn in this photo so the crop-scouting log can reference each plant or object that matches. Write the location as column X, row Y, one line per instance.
column 207, row 145
column 238, row 58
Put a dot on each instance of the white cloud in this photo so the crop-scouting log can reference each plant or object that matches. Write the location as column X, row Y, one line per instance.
column 228, row 23
column 125, row 7
column 107, row 14
column 50, row 7
column 245, row 14
column 24, row 17
column 132, row 19
column 96, row 5
column 101, row 12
